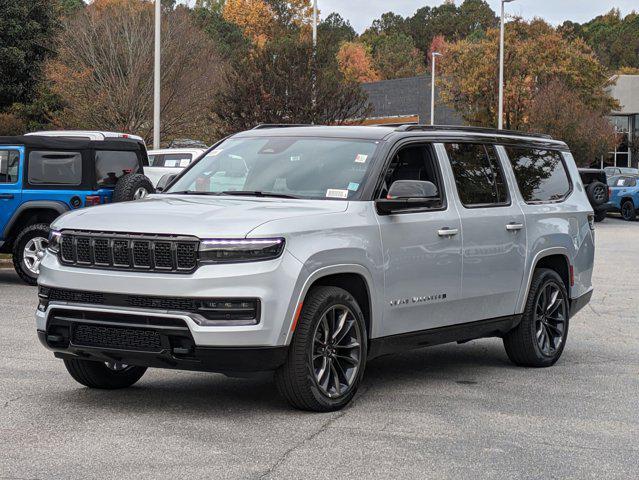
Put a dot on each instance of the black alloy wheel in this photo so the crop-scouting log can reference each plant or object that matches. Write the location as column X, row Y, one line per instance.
column 337, row 351
column 551, row 314
column 628, row 211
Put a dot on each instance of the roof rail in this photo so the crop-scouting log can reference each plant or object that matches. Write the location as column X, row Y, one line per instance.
column 263, row 126
column 410, row 128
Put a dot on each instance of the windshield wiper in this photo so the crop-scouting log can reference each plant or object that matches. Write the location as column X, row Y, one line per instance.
column 192, row 192
column 258, row 193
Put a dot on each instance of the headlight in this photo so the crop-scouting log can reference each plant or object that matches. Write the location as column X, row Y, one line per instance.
column 54, row 241
column 219, row 250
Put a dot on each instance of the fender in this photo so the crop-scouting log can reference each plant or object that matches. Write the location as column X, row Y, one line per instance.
column 528, row 280
column 57, row 206
column 324, row 272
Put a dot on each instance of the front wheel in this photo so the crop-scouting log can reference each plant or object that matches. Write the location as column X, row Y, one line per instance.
column 628, row 211
column 104, row 375
column 326, row 359
column 540, row 337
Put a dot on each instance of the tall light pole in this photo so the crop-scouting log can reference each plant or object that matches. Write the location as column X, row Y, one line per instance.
column 314, row 68
column 434, row 55
column 156, row 76
column 500, row 118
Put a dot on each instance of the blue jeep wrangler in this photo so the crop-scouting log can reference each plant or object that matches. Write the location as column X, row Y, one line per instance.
column 41, row 177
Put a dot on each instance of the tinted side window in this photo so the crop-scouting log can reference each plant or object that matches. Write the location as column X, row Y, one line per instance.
column 541, row 174
column 55, row 168
column 9, row 162
column 478, row 175
column 110, row 166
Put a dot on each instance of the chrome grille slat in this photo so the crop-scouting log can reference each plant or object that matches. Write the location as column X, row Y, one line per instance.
column 138, row 252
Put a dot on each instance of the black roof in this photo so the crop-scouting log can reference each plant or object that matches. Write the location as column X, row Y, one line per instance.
column 67, row 143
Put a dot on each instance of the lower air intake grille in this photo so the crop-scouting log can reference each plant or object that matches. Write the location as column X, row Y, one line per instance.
column 116, row 338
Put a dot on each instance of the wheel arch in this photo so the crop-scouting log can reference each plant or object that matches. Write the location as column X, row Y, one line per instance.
column 557, row 259
column 45, row 211
column 355, row 279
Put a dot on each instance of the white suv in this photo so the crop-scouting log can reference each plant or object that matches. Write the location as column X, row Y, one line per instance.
column 309, row 250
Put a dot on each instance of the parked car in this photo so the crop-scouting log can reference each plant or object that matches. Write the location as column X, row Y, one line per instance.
column 43, row 176
column 624, row 196
column 610, row 171
column 334, row 246
column 596, row 184
column 170, row 161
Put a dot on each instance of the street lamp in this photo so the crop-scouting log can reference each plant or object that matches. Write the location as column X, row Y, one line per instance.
column 500, row 119
column 314, row 72
column 156, row 76
column 434, row 55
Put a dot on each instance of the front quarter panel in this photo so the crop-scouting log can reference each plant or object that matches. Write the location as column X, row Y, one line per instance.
column 347, row 242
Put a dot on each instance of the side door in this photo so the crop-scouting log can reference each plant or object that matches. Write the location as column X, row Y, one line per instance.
column 421, row 248
column 11, row 159
column 494, row 235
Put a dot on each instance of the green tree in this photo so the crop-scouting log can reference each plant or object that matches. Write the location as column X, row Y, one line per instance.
column 226, row 36
column 331, row 33
column 395, row 56
column 26, row 39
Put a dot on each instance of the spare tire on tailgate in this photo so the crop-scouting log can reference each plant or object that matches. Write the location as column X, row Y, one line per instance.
column 597, row 193
column 132, row 186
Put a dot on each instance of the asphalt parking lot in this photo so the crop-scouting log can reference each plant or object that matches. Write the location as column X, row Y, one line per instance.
column 454, row 411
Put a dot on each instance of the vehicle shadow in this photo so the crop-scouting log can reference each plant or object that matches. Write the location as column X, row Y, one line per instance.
column 193, row 394
column 8, row 276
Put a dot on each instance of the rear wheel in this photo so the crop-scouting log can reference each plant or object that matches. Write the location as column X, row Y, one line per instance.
column 628, row 211
column 28, row 251
column 540, row 337
column 597, row 193
column 600, row 216
column 327, row 355
column 105, row 375
column 133, row 186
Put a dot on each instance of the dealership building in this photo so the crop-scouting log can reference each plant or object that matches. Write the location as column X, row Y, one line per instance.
column 626, row 122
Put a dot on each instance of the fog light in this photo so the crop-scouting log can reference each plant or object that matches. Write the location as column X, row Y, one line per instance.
column 229, row 311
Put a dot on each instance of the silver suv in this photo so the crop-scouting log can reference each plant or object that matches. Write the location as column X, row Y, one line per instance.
column 309, row 250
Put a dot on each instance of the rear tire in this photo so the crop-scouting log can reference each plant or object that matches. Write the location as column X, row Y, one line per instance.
column 628, row 211
column 28, row 250
column 600, row 216
column 97, row 375
column 525, row 345
column 132, row 186
column 327, row 355
column 597, row 193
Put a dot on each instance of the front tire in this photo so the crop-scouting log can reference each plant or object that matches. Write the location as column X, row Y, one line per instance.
column 540, row 337
column 101, row 375
column 628, row 211
column 28, row 251
column 327, row 355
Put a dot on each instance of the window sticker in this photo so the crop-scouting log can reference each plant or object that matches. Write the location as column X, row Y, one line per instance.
column 620, row 182
column 216, row 152
column 295, row 158
column 361, row 158
column 336, row 193
column 170, row 163
column 353, row 186
column 184, row 162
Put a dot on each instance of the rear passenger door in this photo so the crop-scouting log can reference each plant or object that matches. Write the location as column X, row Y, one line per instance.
column 493, row 232
column 10, row 183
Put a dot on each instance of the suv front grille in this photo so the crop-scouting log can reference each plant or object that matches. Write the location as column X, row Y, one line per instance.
column 129, row 251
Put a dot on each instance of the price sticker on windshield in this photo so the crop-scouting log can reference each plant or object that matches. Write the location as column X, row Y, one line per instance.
column 361, row 158
column 336, row 193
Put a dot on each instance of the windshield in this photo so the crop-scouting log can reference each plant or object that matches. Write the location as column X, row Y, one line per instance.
column 284, row 166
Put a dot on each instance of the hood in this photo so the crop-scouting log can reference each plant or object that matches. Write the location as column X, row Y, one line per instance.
column 203, row 217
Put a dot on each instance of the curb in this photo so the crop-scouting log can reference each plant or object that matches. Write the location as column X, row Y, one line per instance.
column 6, row 263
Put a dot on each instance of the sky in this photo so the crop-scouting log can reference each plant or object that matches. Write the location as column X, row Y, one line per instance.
column 361, row 13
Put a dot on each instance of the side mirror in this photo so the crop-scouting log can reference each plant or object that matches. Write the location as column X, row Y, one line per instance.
column 164, row 181
column 408, row 194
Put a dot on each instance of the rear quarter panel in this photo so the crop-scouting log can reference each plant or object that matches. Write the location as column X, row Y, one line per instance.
column 560, row 228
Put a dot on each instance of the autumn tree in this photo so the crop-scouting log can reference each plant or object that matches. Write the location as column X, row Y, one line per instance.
column 560, row 111
column 332, row 32
column 536, row 54
column 275, row 85
column 254, row 17
column 104, row 76
column 355, row 63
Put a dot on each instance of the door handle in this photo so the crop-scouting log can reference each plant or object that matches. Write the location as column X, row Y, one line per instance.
column 447, row 232
column 6, row 196
column 511, row 227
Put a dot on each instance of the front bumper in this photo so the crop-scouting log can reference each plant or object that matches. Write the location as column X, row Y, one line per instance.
column 231, row 361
